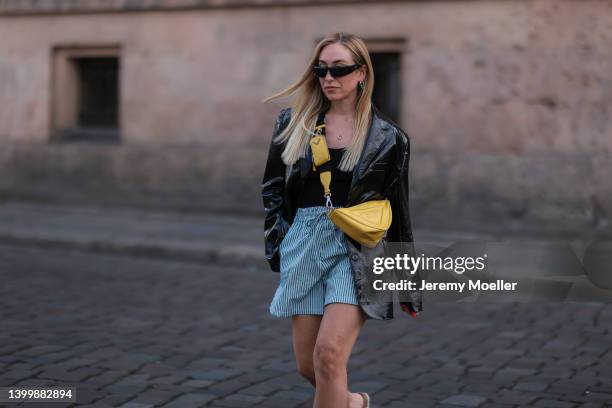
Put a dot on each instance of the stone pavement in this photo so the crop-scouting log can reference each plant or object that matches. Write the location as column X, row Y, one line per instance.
column 130, row 231
column 168, row 330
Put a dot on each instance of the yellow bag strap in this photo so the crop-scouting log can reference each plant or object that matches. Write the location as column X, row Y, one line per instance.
column 320, row 155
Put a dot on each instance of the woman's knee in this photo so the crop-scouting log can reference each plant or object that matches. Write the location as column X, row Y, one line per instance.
column 328, row 359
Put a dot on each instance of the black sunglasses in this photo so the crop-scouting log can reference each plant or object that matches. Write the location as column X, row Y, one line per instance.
column 321, row 71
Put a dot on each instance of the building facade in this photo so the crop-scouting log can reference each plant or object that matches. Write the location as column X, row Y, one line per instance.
column 157, row 103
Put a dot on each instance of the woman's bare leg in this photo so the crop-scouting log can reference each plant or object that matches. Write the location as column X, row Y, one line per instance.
column 305, row 330
column 338, row 333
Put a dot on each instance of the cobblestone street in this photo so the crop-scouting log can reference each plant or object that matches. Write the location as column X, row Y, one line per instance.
column 143, row 332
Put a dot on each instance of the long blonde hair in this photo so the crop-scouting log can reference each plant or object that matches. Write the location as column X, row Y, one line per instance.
column 308, row 100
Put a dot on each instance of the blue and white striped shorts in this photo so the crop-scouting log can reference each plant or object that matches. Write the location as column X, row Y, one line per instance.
column 314, row 266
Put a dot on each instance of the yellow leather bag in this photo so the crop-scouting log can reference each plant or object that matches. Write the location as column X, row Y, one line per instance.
column 367, row 222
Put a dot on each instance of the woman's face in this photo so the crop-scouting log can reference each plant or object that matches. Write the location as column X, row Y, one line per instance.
column 339, row 88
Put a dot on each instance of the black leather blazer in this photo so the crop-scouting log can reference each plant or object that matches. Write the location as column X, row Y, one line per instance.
column 382, row 172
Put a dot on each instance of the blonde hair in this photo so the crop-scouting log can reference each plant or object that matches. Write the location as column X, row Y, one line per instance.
column 309, row 99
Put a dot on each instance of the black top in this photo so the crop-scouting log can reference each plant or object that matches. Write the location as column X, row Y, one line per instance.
column 312, row 194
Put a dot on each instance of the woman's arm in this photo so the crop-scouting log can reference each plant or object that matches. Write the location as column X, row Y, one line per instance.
column 272, row 191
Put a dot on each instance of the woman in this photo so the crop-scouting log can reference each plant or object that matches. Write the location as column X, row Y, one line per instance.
column 322, row 270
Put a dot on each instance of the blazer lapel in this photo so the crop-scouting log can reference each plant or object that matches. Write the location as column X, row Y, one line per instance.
column 374, row 139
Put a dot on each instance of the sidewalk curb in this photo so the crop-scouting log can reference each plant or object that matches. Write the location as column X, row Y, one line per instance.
column 206, row 253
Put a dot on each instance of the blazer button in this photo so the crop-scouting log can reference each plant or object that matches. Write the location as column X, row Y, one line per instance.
column 354, row 257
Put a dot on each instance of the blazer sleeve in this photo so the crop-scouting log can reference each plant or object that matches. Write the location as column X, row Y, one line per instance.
column 273, row 191
column 401, row 225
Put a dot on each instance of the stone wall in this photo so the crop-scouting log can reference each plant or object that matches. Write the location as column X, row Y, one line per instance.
column 507, row 104
column 24, row 7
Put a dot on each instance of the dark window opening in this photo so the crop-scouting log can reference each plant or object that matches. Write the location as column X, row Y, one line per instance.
column 387, row 87
column 98, row 90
